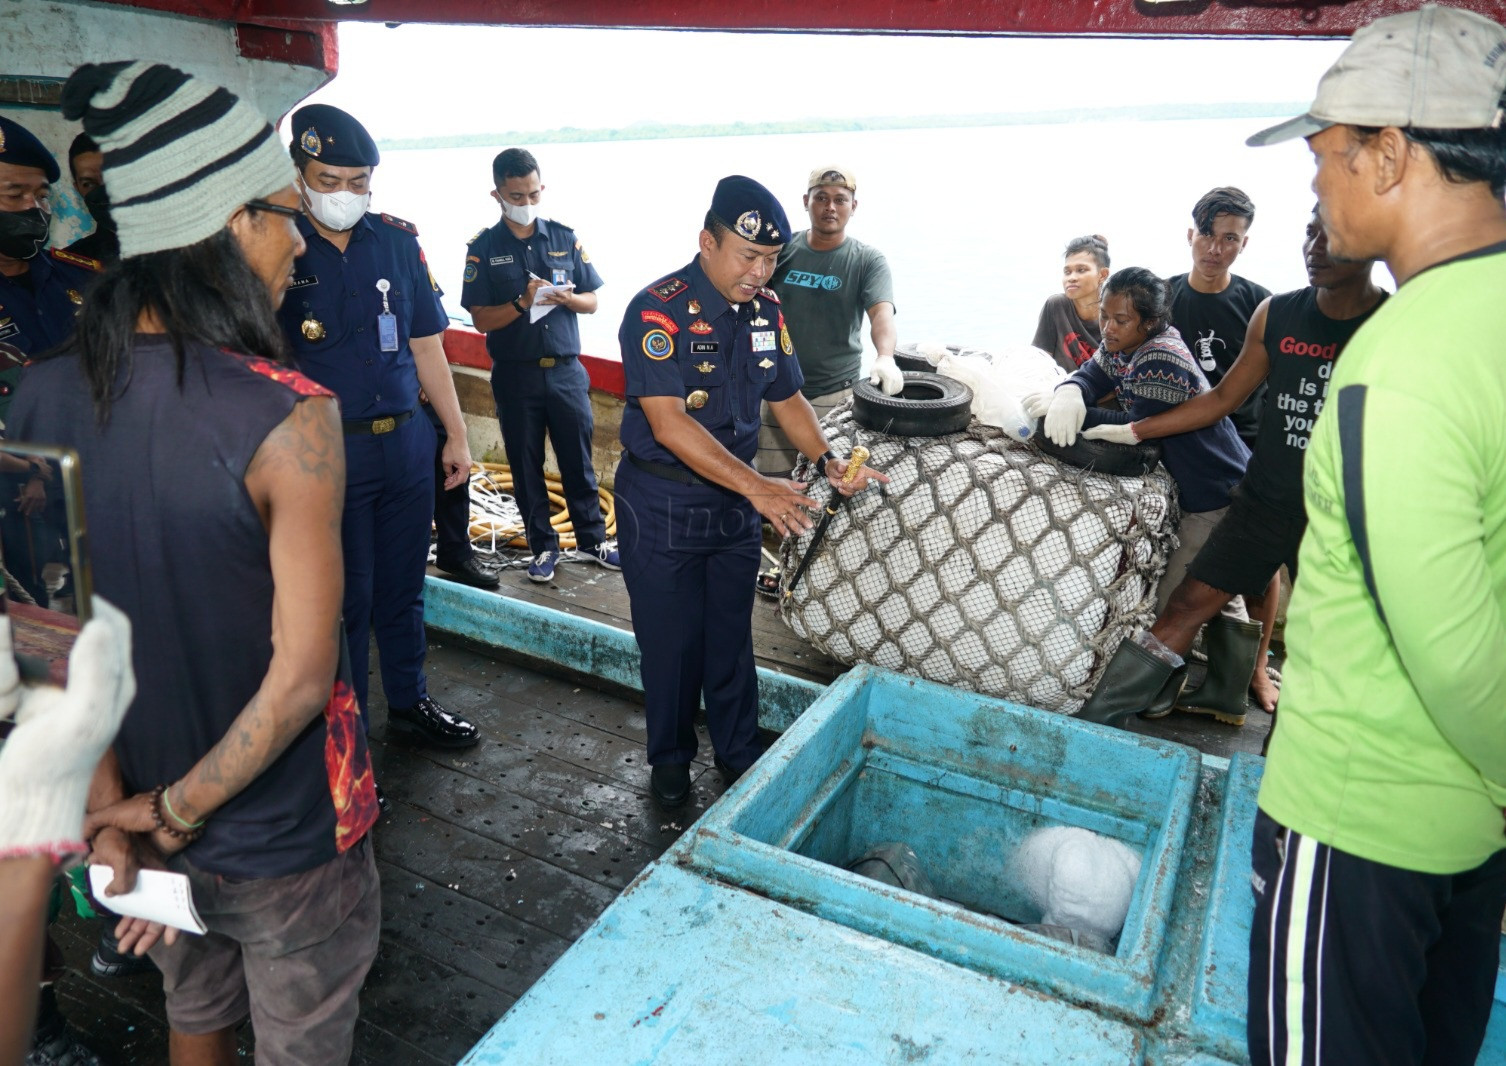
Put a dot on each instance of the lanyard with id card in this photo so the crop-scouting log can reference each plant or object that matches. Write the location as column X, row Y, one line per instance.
column 386, row 321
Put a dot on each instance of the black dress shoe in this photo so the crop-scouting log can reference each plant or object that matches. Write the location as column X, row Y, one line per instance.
column 110, row 961
column 670, row 784
column 729, row 775
column 427, row 722
column 471, row 572
column 384, row 805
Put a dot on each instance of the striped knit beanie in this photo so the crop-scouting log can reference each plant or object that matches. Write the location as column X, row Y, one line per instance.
column 180, row 154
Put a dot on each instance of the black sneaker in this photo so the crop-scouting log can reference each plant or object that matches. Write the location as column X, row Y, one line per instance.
column 429, row 723
column 55, row 1043
column 110, row 961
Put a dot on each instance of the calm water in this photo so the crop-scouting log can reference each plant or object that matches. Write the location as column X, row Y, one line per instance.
column 973, row 221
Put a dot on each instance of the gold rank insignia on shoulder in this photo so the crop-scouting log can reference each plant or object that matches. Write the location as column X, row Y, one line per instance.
column 696, row 400
column 312, row 328
column 705, row 367
column 75, row 296
column 698, row 326
column 694, row 307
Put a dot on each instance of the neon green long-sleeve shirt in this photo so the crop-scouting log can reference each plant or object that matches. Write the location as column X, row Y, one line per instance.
column 1391, row 737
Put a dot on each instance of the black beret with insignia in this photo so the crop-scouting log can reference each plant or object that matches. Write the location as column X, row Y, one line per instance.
column 20, row 148
column 331, row 136
column 750, row 211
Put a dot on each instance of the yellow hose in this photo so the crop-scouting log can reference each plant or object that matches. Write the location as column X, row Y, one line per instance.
column 500, row 476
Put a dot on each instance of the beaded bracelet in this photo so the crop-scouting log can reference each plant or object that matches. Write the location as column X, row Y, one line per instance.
column 188, row 835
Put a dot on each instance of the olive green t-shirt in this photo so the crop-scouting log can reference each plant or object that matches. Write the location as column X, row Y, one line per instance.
column 1391, row 741
column 825, row 297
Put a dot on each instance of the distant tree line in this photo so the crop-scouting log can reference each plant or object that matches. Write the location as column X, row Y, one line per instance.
column 651, row 131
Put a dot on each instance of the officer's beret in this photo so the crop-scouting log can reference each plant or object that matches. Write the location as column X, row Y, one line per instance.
column 331, row 136
column 20, row 148
column 750, row 211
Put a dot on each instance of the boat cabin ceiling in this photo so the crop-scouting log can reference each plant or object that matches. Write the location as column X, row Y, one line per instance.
column 277, row 52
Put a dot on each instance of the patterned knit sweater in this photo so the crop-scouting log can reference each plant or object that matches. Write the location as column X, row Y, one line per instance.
column 1161, row 373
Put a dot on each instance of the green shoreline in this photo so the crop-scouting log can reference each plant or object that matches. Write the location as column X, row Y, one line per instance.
column 653, row 131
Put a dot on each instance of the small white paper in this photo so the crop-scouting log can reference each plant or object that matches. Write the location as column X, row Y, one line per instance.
column 159, row 896
column 538, row 309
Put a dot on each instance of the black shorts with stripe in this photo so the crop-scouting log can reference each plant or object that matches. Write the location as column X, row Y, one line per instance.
column 1353, row 961
column 1250, row 543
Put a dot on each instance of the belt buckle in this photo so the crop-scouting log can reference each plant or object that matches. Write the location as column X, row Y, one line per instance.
column 383, row 425
column 547, row 361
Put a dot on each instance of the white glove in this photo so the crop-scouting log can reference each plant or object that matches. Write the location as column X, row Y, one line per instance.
column 1064, row 416
column 1114, row 433
column 887, row 375
column 1036, row 404
column 48, row 761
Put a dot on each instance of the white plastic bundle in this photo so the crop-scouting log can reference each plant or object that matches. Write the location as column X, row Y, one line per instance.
column 1078, row 878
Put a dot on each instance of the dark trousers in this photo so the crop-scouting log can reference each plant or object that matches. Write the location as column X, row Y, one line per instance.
column 452, row 513
column 389, row 501
column 532, row 400
column 1353, row 961
column 689, row 559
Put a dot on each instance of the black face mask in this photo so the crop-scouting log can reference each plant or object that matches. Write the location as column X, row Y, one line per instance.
column 22, row 233
column 98, row 203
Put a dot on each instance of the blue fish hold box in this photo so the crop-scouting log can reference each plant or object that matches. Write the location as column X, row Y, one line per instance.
column 963, row 782
column 750, row 941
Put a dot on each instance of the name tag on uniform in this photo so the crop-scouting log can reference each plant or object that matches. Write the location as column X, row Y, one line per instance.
column 500, row 260
column 763, row 340
column 387, row 331
column 705, row 347
column 303, row 283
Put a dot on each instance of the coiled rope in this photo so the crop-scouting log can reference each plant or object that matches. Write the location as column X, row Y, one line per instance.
column 496, row 522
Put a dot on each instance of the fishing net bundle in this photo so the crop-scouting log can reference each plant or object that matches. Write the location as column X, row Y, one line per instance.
column 984, row 564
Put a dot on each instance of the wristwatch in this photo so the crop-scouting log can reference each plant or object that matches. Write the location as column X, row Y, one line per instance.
column 518, row 306
column 826, row 457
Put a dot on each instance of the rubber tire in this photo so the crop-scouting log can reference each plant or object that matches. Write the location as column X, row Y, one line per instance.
column 907, row 358
column 930, row 405
column 1104, row 457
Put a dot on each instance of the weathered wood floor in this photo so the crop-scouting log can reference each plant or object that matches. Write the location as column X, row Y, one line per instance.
column 495, row 859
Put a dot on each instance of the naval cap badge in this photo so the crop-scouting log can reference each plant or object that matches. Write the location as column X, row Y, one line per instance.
column 747, row 224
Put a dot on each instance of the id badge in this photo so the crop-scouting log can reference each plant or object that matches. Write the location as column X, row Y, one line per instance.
column 387, row 331
column 561, row 276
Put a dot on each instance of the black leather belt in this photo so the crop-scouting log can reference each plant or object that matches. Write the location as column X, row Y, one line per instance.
column 667, row 472
column 374, row 427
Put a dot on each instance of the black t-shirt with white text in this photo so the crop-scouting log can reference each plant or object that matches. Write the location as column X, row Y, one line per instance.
column 1303, row 343
column 1213, row 325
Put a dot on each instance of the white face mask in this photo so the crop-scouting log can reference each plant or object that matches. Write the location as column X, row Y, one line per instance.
column 338, row 211
column 520, row 214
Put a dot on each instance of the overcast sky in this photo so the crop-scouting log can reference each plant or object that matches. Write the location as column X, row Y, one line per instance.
column 435, row 80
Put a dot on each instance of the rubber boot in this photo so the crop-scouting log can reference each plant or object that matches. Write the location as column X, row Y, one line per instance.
column 1232, row 650
column 1134, row 681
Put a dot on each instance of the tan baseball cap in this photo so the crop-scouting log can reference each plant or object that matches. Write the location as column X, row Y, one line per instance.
column 1436, row 68
column 833, row 175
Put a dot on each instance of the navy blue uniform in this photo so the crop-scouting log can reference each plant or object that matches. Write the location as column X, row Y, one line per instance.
column 330, row 316
column 37, row 313
column 690, row 552
column 37, row 310
column 538, row 382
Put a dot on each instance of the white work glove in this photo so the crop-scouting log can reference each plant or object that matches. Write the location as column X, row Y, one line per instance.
column 48, row 760
column 1036, row 404
column 1114, row 433
column 1064, row 416
column 887, row 375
